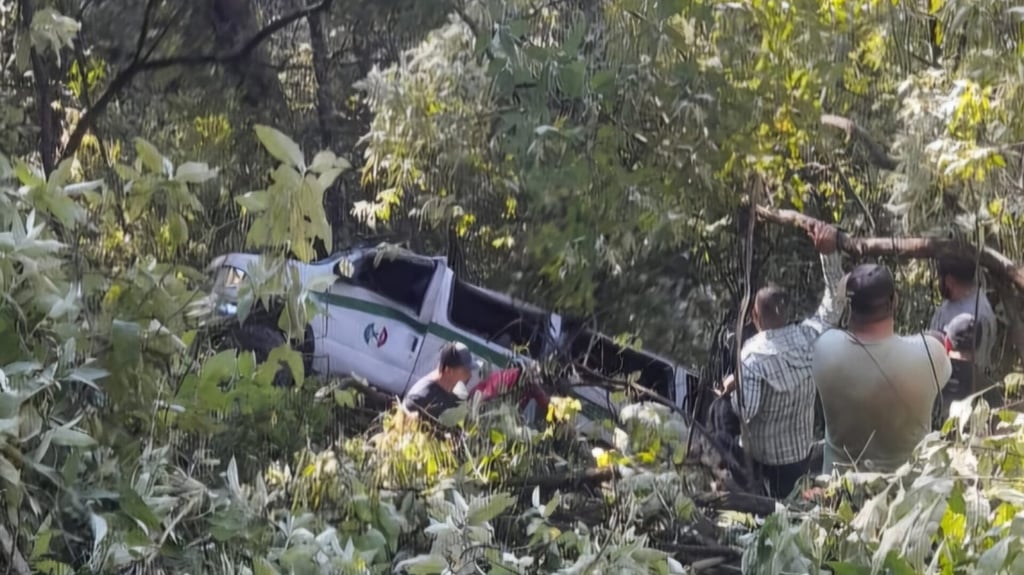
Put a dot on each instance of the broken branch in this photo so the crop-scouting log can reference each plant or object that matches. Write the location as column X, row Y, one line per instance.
column 879, row 157
column 728, row 501
column 917, row 248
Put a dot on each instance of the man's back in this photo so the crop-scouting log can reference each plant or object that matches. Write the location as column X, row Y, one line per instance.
column 877, row 396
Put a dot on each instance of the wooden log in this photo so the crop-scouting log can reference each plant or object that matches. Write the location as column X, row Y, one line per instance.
column 996, row 263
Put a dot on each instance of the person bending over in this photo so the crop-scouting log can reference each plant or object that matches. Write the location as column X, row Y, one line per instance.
column 877, row 388
column 432, row 395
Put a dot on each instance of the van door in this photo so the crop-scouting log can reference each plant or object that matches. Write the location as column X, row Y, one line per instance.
column 491, row 325
column 373, row 326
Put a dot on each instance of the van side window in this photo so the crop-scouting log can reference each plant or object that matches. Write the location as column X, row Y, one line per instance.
column 609, row 359
column 400, row 280
column 492, row 318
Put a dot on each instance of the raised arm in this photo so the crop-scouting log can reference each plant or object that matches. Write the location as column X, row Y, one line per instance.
column 830, row 309
column 827, row 240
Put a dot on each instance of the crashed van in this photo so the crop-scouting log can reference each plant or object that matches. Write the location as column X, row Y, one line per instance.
column 384, row 314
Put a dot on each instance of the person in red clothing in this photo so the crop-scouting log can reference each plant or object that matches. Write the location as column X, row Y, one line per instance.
column 519, row 379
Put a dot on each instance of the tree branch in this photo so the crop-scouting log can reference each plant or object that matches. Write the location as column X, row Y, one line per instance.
column 918, row 248
column 138, row 65
column 1012, row 306
column 147, row 14
column 879, row 157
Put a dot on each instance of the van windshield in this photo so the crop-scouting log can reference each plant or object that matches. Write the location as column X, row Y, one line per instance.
column 228, row 279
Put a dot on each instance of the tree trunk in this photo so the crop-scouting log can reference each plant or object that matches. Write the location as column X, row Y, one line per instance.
column 44, row 102
column 235, row 22
column 321, row 60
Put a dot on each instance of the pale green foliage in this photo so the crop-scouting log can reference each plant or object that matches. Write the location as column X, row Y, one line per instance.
column 952, row 509
column 431, row 121
column 298, row 192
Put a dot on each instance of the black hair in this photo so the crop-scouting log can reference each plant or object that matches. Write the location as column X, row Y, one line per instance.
column 961, row 268
column 772, row 304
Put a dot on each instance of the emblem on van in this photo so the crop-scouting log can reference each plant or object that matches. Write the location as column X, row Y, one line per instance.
column 379, row 338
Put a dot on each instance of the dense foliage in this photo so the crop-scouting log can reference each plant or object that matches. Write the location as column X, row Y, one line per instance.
column 593, row 156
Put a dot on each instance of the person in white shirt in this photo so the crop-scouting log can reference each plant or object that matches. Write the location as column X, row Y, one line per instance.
column 778, row 389
column 877, row 388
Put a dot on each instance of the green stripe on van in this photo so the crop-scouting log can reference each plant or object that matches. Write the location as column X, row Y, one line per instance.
column 589, row 409
column 440, row 331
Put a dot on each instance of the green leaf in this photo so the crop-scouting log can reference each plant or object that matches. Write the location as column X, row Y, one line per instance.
column 281, row 147
column 254, row 201
column 454, row 416
column 898, row 565
column 482, row 42
column 291, row 358
column 152, row 159
column 572, row 42
column 423, row 565
column 992, row 560
column 219, row 367
column 82, row 188
column 390, row 521
column 571, row 78
column 28, row 175
column 195, row 173
column 263, row 567
column 71, row 437
column 51, row 567
column 99, row 531
column 848, row 568
column 41, row 545
column 483, row 510
column 177, row 228
column 88, row 375
column 345, row 398
column 9, row 473
column 50, row 31
column 326, row 161
column 361, row 506
column 9, row 426
column 133, row 505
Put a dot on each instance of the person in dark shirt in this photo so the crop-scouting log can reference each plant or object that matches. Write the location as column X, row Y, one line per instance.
column 962, row 337
column 432, row 395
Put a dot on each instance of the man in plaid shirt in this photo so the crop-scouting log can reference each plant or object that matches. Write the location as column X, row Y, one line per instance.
column 778, row 387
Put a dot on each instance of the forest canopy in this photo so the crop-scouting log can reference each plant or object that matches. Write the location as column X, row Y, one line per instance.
column 629, row 162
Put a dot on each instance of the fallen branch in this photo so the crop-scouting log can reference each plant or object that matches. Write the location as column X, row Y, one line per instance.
column 740, row 502
column 917, row 248
column 724, row 501
column 139, row 65
column 591, row 476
